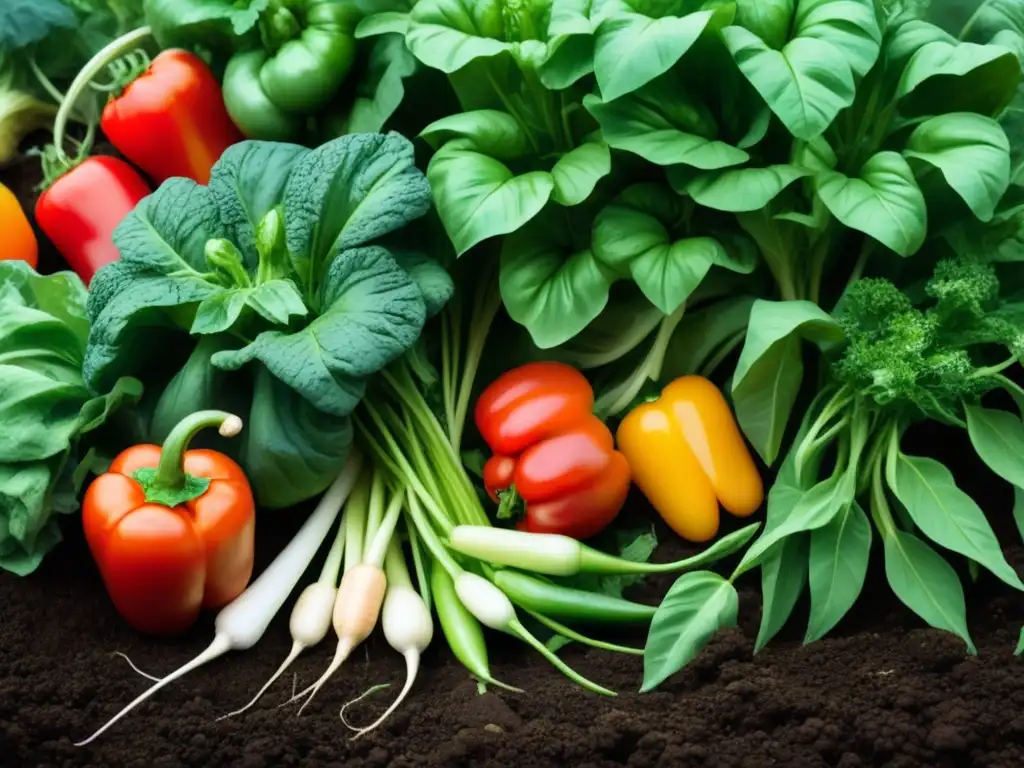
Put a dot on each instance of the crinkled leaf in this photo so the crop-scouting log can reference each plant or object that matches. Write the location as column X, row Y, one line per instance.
column 372, row 311
column 348, row 193
column 883, row 201
column 23, row 22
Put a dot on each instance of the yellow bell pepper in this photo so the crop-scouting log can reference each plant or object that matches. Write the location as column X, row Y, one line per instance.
column 687, row 456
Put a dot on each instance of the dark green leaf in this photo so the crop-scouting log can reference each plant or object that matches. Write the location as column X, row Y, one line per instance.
column 783, row 577
column 23, row 22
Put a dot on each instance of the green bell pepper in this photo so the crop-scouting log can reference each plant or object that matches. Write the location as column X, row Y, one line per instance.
column 308, row 50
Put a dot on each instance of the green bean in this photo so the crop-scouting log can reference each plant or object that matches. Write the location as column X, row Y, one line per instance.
column 551, row 599
column 463, row 632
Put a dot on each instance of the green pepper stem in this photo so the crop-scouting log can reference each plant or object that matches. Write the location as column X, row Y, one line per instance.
column 170, row 472
column 93, row 67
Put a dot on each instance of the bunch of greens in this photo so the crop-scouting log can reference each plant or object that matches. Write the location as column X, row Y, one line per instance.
column 48, row 413
column 619, row 153
column 43, row 43
column 273, row 293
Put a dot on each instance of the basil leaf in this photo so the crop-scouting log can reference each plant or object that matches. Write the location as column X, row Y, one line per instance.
column 697, row 606
column 926, row 584
column 837, row 567
column 770, row 369
column 947, row 515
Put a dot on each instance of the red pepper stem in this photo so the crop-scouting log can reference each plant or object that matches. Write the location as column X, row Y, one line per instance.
column 170, row 472
column 93, row 67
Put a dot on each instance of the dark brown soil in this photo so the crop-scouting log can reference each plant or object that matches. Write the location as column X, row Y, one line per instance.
column 880, row 691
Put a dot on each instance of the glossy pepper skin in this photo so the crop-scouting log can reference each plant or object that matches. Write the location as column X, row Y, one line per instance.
column 308, row 50
column 688, row 456
column 17, row 240
column 171, row 529
column 171, row 120
column 81, row 209
column 556, row 454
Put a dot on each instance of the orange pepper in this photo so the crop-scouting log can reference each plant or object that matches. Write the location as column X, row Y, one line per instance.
column 688, row 456
column 19, row 241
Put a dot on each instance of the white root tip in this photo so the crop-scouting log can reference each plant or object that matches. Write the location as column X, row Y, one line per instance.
column 297, row 648
column 369, row 692
column 412, row 665
column 344, row 649
column 231, row 426
column 136, row 669
column 220, row 645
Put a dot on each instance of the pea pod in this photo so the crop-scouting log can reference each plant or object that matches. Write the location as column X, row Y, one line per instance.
column 308, row 50
column 551, row 599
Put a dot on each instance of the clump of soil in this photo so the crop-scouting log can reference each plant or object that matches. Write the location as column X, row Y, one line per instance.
column 882, row 691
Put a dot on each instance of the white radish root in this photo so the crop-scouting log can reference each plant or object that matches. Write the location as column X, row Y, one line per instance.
column 135, row 669
column 356, row 611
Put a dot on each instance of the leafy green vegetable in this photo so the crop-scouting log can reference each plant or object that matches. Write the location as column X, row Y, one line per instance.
column 46, row 409
column 285, row 283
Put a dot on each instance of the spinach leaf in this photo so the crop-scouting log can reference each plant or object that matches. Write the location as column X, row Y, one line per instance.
column 286, row 279
column 46, row 409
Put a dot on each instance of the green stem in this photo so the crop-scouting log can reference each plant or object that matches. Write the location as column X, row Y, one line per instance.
column 93, row 67
column 170, row 471
column 484, row 311
column 723, row 352
column 866, row 249
column 516, row 627
column 332, row 565
column 992, row 370
column 620, row 398
column 45, row 82
column 355, row 522
column 818, row 258
column 395, row 567
column 572, row 634
column 419, row 563
column 430, row 537
column 510, row 108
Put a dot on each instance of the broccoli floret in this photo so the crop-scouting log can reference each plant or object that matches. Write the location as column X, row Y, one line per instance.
column 964, row 289
column 904, row 356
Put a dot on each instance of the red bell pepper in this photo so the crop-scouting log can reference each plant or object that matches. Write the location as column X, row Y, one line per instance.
column 171, row 530
column 81, row 209
column 550, row 452
column 171, row 119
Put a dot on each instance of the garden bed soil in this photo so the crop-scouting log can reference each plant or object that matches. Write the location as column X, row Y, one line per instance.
column 881, row 690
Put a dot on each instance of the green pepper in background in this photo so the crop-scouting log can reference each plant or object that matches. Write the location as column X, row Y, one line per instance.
column 288, row 58
column 308, row 50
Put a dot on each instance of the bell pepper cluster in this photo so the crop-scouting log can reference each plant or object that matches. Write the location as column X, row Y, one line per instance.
column 554, row 464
